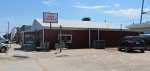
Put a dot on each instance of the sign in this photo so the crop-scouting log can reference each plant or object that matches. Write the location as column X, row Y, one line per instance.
column 50, row 17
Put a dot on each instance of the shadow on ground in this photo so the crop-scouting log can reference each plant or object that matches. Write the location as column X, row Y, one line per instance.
column 62, row 55
column 20, row 56
column 30, row 50
column 133, row 51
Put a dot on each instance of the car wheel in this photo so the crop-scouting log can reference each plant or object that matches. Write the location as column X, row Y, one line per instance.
column 3, row 50
column 142, row 51
column 119, row 49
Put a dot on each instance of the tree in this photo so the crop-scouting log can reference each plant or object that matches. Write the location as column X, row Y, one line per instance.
column 86, row 19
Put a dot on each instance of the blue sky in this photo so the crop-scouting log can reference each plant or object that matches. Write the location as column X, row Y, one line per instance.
column 20, row 12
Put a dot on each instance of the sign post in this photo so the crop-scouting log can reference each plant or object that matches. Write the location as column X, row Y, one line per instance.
column 50, row 18
column 60, row 40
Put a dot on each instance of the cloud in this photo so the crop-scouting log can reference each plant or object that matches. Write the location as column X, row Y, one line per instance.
column 127, row 12
column 117, row 5
column 89, row 7
column 46, row 2
column 131, row 12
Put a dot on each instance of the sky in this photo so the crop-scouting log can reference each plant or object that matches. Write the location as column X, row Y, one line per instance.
column 20, row 12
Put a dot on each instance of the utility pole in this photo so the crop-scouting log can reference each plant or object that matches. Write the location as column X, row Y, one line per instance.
column 105, row 20
column 141, row 18
column 8, row 31
column 8, row 35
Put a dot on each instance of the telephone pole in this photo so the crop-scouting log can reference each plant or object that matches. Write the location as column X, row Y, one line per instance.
column 8, row 31
column 142, row 12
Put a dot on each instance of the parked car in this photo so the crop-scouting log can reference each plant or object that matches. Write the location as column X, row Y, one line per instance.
column 147, row 41
column 129, row 43
column 3, row 40
column 3, row 47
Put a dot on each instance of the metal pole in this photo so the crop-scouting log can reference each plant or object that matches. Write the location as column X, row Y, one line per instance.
column 89, row 38
column 141, row 18
column 23, row 38
column 50, row 25
column 43, row 36
column 60, row 40
column 98, row 33
column 9, row 35
column 105, row 21
column 50, row 31
column 8, row 32
column 120, row 26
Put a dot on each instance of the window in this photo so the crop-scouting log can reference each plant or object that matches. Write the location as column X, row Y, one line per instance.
column 28, row 38
column 67, row 38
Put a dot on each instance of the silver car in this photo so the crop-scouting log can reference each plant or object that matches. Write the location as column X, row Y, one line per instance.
column 3, row 47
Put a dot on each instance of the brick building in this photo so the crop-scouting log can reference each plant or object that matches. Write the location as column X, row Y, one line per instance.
column 77, row 34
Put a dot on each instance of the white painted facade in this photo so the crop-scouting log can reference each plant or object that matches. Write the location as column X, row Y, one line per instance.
column 145, row 27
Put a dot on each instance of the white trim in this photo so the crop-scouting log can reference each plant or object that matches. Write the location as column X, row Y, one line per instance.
column 74, row 24
column 138, row 26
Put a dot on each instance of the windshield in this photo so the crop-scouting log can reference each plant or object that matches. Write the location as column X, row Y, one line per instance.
column 134, row 39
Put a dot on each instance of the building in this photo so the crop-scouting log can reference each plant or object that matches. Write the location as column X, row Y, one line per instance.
column 19, row 31
column 145, row 27
column 76, row 34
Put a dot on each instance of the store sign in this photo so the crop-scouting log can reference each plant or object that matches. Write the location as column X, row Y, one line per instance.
column 50, row 17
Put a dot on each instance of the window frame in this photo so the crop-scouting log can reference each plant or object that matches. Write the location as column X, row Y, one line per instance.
column 69, row 35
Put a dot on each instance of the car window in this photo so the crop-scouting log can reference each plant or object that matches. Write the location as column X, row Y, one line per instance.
column 135, row 39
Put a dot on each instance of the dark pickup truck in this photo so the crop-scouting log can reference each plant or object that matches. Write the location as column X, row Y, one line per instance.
column 129, row 43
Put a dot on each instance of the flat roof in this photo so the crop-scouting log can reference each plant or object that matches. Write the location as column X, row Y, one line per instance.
column 76, row 24
column 139, row 26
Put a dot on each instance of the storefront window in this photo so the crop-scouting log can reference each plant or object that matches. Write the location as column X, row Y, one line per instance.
column 67, row 38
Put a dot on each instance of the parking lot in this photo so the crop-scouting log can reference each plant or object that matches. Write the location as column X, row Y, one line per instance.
column 109, row 59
